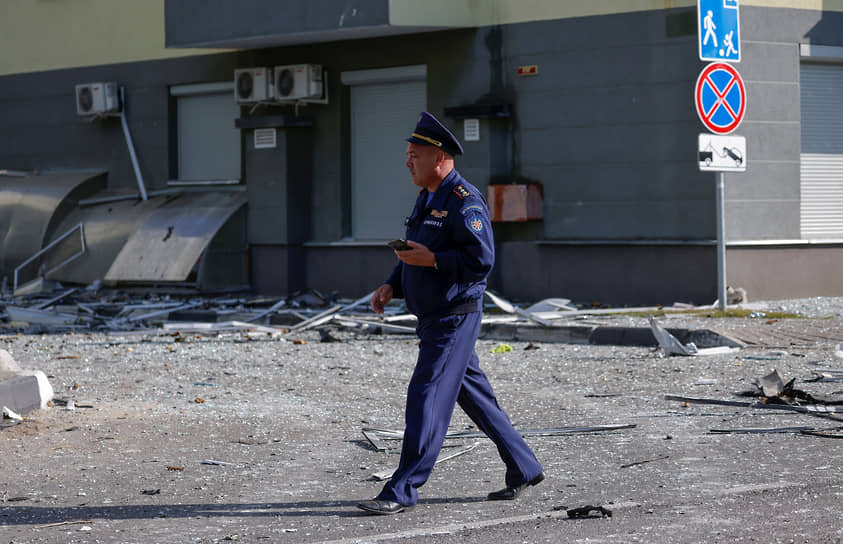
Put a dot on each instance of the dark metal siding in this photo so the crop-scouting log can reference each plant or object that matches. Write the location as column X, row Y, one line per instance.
column 192, row 22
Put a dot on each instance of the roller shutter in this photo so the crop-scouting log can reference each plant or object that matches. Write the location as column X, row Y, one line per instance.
column 821, row 173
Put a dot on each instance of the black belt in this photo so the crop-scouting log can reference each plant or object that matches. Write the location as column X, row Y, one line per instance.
column 465, row 308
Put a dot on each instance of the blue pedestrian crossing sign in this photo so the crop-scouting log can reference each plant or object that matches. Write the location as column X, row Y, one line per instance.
column 718, row 29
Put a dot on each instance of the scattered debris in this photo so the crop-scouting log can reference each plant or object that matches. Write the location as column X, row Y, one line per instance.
column 375, row 436
column 773, row 390
column 443, row 456
column 61, row 523
column 530, row 346
column 837, row 433
column 225, row 326
column 586, row 512
column 762, row 430
column 817, row 410
column 502, row 348
column 150, row 492
column 510, row 308
column 8, row 413
column 176, row 469
column 551, row 305
column 827, row 375
column 326, row 336
column 671, row 346
column 636, row 463
column 220, row 463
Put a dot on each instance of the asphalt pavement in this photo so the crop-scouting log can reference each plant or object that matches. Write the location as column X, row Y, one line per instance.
column 230, row 437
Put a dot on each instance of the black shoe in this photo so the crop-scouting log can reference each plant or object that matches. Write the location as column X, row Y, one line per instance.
column 383, row 508
column 511, row 493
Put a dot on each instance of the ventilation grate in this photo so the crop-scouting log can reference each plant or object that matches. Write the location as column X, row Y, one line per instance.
column 265, row 138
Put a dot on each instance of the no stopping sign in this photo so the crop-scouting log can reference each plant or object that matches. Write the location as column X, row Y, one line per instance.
column 720, row 97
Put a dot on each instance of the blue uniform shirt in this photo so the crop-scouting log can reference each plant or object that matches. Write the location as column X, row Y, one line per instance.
column 456, row 228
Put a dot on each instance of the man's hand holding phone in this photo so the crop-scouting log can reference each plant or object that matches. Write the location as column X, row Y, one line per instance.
column 399, row 245
column 413, row 253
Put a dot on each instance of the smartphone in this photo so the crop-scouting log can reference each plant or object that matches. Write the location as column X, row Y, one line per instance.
column 399, row 245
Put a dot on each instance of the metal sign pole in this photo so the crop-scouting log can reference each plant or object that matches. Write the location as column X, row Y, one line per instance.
column 721, row 244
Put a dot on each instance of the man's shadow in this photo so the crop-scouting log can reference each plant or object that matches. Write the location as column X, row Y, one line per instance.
column 44, row 515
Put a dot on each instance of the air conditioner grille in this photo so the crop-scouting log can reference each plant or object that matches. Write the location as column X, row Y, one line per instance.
column 286, row 82
column 245, row 85
column 86, row 99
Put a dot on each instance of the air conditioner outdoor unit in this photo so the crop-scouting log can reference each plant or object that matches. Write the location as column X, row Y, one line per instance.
column 298, row 81
column 252, row 84
column 94, row 98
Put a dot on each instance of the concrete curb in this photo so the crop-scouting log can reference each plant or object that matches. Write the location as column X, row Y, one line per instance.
column 601, row 336
column 22, row 391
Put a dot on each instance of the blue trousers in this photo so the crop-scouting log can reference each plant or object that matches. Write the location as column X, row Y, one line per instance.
column 448, row 372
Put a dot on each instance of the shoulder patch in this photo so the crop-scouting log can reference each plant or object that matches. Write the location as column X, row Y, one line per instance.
column 476, row 208
column 475, row 223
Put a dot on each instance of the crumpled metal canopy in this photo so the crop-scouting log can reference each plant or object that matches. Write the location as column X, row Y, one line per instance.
column 170, row 242
column 108, row 226
column 30, row 205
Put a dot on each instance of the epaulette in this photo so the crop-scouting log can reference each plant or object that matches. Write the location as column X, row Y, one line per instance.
column 460, row 191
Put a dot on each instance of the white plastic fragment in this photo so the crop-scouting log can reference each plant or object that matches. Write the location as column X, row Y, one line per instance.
column 8, row 413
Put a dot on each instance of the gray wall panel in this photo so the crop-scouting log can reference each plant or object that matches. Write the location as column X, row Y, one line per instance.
column 51, row 135
column 762, row 219
column 764, row 179
column 772, row 141
column 769, row 62
column 267, row 189
column 606, row 274
column 771, row 102
column 192, row 22
column 608, row 105
column 599, row 220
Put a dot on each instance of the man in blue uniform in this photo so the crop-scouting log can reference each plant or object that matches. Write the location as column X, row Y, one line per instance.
column 443, row 277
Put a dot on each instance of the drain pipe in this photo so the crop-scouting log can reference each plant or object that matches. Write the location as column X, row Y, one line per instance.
column 131, row 144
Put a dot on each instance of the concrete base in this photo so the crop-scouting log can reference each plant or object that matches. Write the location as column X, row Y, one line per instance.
column 22, row 391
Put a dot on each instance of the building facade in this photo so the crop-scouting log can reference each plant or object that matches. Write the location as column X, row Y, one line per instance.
column 588, row 104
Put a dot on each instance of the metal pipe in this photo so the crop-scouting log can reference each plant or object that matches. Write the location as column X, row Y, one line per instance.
column 80, row 227
column 131, row 145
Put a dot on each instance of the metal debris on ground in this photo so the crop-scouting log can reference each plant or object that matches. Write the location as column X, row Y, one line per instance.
column 832, row 433
column 826, row 412
column 757, row 430
column 443, row 456
column 325, row 335
column 375, row 436
column 645, row 461
column 773, row 390
column 826, row 375
column 670, row 345
column 586, row 512
column 510, row 308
